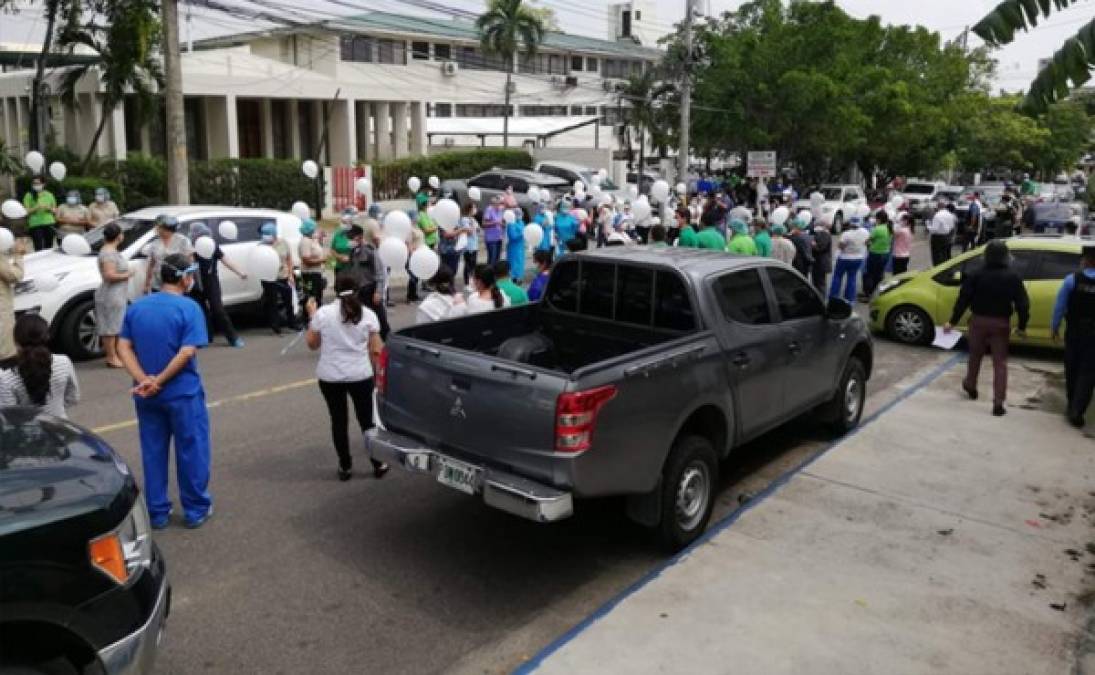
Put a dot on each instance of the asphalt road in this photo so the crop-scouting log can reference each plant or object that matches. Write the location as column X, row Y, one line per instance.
column 298, row 572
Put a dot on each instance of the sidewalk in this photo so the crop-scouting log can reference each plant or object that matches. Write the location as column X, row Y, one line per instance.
column 937, row 539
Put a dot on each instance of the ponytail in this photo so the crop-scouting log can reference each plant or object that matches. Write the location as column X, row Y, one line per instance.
column 34, row 361
column 496, row 295
column 348, row 302
column 484, row 274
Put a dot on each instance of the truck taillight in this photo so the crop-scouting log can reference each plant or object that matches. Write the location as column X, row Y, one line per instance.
column 576, row 415
column 382, row 372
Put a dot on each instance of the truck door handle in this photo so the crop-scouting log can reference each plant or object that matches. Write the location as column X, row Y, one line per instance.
column 424, row 350
column 795, row 348
column 741, row 360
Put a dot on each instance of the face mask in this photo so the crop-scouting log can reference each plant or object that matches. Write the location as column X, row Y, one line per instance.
column 267, row 239
column 38, row 188
column 71, row 201
column 345, row 224
column 100, row 198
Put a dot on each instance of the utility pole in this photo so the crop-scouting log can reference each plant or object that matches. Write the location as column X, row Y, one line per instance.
column 178, row 176
column 686, row 94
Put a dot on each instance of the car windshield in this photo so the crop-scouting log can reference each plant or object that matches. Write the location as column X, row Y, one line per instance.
column 132, row 230
column 947, row 195
column 606, row 183
column 831, row 194
column 919, row 189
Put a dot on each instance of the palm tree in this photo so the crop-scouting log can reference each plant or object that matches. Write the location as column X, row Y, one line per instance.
column 509, row 26
column 1070, row 66
column 126, row 36
column 645, row 93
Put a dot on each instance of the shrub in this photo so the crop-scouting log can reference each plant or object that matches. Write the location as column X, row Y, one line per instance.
column 390, row 178
column 144, row 182
column 273, row 184
column 214, row 182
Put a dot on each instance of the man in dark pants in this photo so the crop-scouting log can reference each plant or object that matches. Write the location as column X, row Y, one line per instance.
column 941, row 234
column 207, row 291
column 370, row 274
column 1076, row 306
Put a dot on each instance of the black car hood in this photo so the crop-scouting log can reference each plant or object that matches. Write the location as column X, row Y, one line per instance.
column 51, row 470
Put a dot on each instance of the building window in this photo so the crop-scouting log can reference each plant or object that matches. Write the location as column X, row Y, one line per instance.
column 626, row 27
column 591, row 65
column 544, row 111
column 442, row 110
column 469, row 58
column 555, row 64
column 638, row 15
column 279, row 126
column 195, row 128
column 306, row 129
column 392, row 51
column 442, row 52
column 636, row 67
column 576, row 63
column 575, row 110
column 591, row 110
column 420, row 51
column 249, row 127
column 476, row 110
column 356, row 48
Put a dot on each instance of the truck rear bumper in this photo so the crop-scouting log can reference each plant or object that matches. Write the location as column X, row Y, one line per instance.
column 501, row 490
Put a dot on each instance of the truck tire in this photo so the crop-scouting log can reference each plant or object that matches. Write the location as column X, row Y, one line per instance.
column 78, row 336
column 688, row 491
column 843, row 412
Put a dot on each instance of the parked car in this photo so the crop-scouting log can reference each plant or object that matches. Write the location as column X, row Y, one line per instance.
column 991, row 196
column 921, row 198
column 61, row 287
column 637, row 373
column 1056, row 192
column 494, row 182
column 569, row 171
column 643, row 185
column 840, row 202
column 84, row 586
column 909, row 306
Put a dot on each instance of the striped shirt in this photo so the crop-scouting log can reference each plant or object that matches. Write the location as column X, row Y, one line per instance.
column 64, row 390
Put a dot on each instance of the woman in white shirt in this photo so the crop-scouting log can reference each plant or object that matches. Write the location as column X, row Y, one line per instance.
column 853, row 250
column 486, row 295
column 39, row 379
column 443, row 303
column 347, row 336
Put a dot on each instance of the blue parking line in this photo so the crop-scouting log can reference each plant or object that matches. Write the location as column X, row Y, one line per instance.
column 537, row 660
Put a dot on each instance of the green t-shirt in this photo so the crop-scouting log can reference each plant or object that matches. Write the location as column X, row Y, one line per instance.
column 429, row 229
column 688, row 238
column 742, row 244
column 763, row 240
column 341, row 245
column 710, row 238
column 516, row 294
column 1030, row 188
column 881, row 241
column 43, row 200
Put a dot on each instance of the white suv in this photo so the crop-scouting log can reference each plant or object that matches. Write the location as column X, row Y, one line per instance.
column 61, row 287
column 840, row 203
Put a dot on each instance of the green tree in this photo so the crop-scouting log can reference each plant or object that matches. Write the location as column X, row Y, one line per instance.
column 1069, row 129
column 996, row 136
column 645, row 96
column 126, row 36
column 505, row 29
column 1070, row 66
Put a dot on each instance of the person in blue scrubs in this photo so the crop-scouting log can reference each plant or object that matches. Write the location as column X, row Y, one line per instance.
column 158, row 344
column 566, row 227
column 546, row 220
column 515, row 246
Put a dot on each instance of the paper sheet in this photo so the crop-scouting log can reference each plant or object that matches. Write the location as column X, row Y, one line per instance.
column 946, row 340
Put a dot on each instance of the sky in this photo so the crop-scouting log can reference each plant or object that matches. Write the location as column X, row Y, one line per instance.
column 1018, row 62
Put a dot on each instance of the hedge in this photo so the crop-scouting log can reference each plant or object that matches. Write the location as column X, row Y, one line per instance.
column 390, row 178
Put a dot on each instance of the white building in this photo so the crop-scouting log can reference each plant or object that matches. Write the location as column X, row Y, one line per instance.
column 636, row 21
column 378, row 78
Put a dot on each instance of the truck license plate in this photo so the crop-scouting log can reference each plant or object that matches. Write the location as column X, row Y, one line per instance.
column 458, row 475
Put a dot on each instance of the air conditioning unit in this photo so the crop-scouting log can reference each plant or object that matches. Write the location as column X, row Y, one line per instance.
column 572, row 81
column 449, row 68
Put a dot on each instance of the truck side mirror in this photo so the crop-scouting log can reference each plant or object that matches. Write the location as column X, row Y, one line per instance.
column 838, row 309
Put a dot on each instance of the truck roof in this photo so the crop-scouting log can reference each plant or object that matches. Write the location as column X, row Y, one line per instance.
column 695, row 262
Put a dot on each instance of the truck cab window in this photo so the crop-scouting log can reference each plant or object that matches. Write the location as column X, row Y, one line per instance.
column 672, row 304
column 742, row 298
column 562, row 292
column 598, row 289
column 796, row 299
column 635, row 295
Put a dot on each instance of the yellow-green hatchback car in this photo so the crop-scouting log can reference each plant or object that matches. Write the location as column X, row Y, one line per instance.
column 909, row 306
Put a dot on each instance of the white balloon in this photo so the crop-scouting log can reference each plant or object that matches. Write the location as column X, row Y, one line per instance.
column 896, row 201
column 446, row 213
column 474, row 194
column 641, row 210
column 682, row 189
column 891, row 212
column 605, row 199
column 34, row 161
column 7, row 240
column 58, row 171
column 534, row 234
column 579, row 186
column 633, row 191
column 75, row 244
column 310, row 168
column 780, row 215
column 509, row 216
column 549, row 218
column 393, row 252
column 534, row 193
column 816, row 200
column 363, row 185
column 414, row 184
column 805, row 217
column 13, row 210
column 424, row 263
column 46, row 284
column 263, row 263
column 603, row 173
column 596, row 179
column 228, row 230
column 660, row 190
column 435, row 182
column 741, row 213
column 205, row 247
column 301, row 210
column 397, row 225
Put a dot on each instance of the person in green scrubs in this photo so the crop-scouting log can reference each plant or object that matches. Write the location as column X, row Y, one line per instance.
column 340, row 243
column 41, row 206
column 709, row 237
column 516, row 294
column 761, row 237
column 741, row 243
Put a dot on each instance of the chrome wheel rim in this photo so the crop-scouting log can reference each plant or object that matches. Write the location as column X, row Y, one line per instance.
column 852, row 397
column 693, row 492
column 909, row 326
column 87, row 332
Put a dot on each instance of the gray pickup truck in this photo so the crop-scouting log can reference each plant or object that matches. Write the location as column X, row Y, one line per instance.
column 639, row 370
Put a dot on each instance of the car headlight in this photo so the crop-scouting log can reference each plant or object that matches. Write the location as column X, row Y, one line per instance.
column 44, row 284
column 123, row 551
column 890, row 285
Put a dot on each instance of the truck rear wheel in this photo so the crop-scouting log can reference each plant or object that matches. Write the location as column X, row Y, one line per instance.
column 688, row 489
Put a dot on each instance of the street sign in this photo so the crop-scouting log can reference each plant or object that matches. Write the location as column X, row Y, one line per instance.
column 762, row 164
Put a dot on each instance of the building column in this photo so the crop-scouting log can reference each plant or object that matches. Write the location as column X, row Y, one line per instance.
column 117, row 132
column 418, row 128
column 232, row 124
column 342, row 132
column 22, row 125
column 399, row 116
column 383, row 130
column 362, row 115
column 216, row 127
column 294, row 128
column 267, row 116
column 317, row 132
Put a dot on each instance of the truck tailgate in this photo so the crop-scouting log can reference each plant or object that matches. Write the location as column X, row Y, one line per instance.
column 475, row 406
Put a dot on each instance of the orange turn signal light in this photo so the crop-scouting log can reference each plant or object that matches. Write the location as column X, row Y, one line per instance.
column 107, row 556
